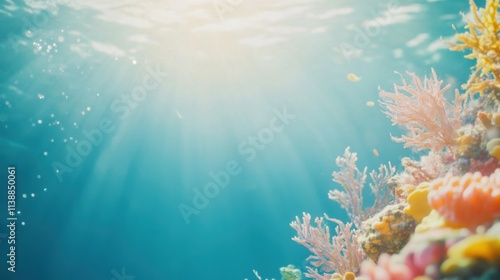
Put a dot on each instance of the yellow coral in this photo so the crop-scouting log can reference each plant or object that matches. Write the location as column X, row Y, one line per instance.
column 384, row 226
column 482, row 38
column 464, row 142
column 386, row 232
column 495, row 119
column 347, row 276
column 468, row 251
column 433, row 221
column 418, row 206
column 485, row 118
column 493, row 148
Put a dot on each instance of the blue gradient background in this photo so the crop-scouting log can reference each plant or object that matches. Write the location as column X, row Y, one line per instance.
column 119, row 208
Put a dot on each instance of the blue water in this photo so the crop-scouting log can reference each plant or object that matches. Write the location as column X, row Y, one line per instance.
column 108, row 153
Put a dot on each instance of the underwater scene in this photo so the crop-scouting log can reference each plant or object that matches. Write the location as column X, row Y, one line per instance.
column 249, row 139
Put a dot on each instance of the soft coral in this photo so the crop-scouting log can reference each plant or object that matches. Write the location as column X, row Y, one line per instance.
column 432, row 121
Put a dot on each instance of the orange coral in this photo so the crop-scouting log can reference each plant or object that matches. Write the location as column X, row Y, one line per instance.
column 467, row 201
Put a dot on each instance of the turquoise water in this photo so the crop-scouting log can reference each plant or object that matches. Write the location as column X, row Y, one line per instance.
column 122, row 116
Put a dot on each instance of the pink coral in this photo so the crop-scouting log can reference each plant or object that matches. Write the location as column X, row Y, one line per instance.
column 427, row 169
column 353, row 182
column 486, row 168
column 341, row 254
column 386, row 269
column 431, row 121
column 467, row 201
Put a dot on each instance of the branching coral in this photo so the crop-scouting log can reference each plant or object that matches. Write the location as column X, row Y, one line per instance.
column 482, row 38
column 331, row 254
column 431, row 121
column 427, row 169
column 353, row 182
column 467, row 201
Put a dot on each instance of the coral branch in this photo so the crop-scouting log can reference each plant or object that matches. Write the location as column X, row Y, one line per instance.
column 431, row 121
column 482, row 39
column 379, row 188
column 342, row 254
column 353, row 181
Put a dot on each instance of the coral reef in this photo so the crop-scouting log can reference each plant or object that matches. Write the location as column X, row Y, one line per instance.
column 440, row 217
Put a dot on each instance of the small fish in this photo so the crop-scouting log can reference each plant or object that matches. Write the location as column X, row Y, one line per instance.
column 370, row 103
column 453, row 26
column 375, row 152
column 179, row 115
column 353, row 78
